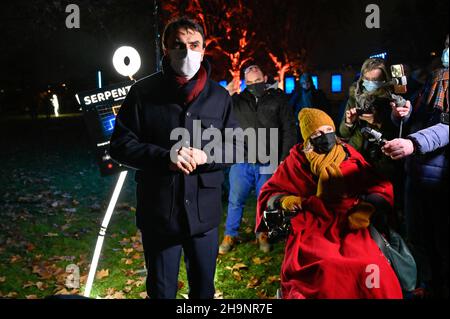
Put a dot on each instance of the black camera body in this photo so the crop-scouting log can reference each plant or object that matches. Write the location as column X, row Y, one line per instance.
column 278, row 222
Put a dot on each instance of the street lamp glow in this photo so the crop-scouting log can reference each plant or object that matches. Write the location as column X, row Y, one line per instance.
column 127, row 69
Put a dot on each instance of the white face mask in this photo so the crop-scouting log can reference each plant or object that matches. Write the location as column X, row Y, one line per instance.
column 185, row 62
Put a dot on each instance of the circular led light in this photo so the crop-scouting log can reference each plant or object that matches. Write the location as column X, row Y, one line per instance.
column 120, row 58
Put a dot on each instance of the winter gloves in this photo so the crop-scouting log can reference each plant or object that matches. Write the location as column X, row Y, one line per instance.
column 359, row 217
column 291, row 203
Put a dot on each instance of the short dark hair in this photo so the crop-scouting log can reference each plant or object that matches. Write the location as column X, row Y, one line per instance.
column 182, row 23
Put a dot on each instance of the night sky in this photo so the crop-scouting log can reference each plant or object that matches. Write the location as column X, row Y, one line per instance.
column 38, row 50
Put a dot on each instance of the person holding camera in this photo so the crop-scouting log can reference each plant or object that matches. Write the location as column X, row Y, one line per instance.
column 371, row 105
column 426, row 192
column 336, row 195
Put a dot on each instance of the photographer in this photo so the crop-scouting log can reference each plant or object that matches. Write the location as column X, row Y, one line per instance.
column 370, row 105
column 427, row 187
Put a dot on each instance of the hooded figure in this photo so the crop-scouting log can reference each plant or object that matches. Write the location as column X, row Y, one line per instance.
column 329, row 251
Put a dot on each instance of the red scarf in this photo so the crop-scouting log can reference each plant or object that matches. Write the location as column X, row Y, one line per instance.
column 186, row 91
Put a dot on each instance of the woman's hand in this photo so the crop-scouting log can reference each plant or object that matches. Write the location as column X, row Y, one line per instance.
column 401, row 112
column 291, row 203
column 351, row 116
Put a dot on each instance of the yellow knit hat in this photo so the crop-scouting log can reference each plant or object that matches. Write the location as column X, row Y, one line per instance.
column 311, row 119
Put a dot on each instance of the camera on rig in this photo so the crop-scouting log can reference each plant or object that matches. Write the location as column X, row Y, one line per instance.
column 278, row 223
column 373, row 136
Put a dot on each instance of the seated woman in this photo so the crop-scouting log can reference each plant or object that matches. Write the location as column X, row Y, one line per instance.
column 329, row 252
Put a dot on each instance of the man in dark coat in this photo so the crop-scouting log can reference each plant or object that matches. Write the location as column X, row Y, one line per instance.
column 178, row 188
column 260, row 106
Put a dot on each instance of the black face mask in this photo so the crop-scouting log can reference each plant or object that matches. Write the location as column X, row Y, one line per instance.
column 324, row 143
column 257, row 89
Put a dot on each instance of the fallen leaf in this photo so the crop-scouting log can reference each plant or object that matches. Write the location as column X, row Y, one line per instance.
column 240, row 266
column 127, row 261
column 237, row 275
column 253, row 283
column 2, row 279
column 102, row 274
column 31, row 297
column 12, row 294
column 127, row 289
column 51, row 235
column 272, row 279
column 137, row 256
column 143, row 295
column 111, row 291
column 15, row 259
column 259, row 261
column 218, row 295
column 128, row 251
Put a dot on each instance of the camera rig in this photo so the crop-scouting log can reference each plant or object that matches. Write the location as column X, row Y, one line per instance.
column 278, row 222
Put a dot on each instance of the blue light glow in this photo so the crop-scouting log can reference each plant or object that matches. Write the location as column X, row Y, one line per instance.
column 289, row 85
column 315, row 80
column 243, row 85
column 108, row 124
column 223, row 83
column 379, row 55
column 336, row 83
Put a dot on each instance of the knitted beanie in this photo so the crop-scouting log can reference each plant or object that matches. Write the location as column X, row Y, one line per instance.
column 311, row 119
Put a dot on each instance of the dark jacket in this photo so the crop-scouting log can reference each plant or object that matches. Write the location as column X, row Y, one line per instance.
column 371, row 151
column 169, row 203
column 430, row 162
column 318, row 101
column 270, row 111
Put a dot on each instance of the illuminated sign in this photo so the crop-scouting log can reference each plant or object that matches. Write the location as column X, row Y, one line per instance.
column 100, row 108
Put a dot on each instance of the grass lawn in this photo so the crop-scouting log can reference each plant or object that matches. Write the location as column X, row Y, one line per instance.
column 52, row 201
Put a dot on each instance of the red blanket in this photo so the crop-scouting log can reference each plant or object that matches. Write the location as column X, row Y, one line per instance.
column 323, row 258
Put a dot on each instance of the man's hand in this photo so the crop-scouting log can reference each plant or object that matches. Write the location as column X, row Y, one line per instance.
column 401, row 112
column 398, row 148
column 185, row 162
column 199, row 156
column 351, row 116
column 188, row 159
